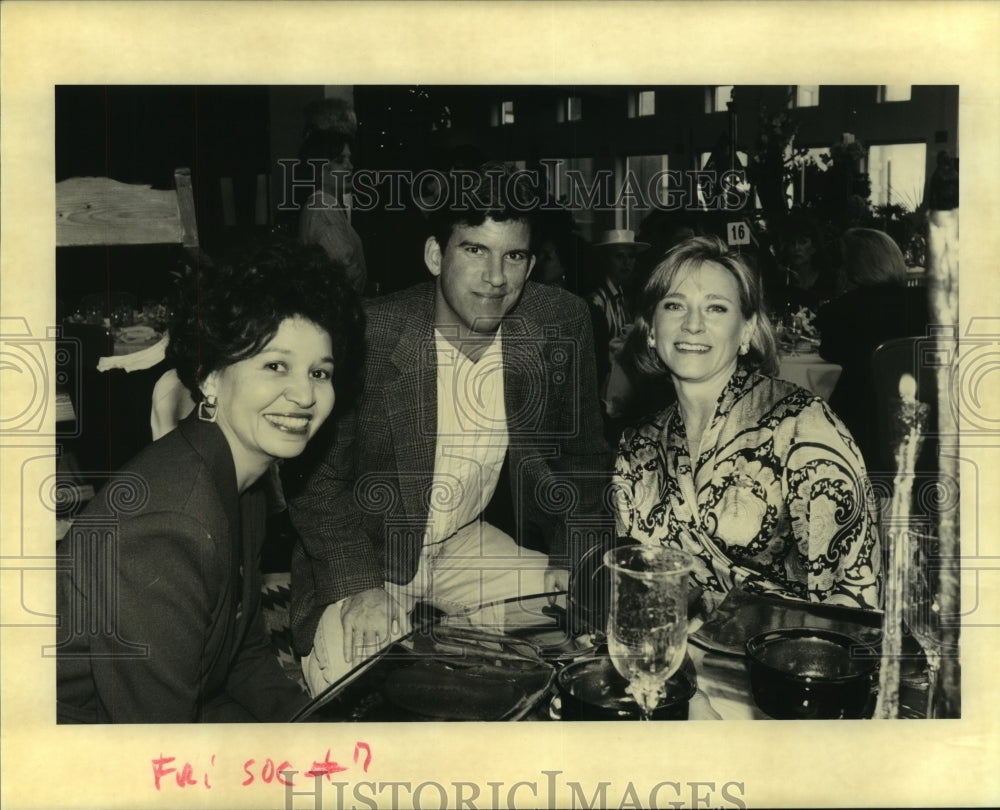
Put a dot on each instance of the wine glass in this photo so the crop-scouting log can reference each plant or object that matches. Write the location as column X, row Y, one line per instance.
column 647, row 623
column 792, row 331
column 921, row 611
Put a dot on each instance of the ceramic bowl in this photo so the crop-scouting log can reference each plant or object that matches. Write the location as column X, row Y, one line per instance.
column 809, row 674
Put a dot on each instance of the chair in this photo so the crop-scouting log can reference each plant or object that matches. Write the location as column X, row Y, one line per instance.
column 102, row 211
column 113, row 412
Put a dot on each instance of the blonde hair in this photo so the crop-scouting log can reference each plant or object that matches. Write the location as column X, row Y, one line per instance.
column 687, row 255
column 872, row 258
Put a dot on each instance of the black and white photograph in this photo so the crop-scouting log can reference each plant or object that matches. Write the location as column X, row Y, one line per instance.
column 355, row 415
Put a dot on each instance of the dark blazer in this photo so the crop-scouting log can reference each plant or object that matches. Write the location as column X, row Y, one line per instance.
column 851, row 327
column 159, row 596
column 361, row 509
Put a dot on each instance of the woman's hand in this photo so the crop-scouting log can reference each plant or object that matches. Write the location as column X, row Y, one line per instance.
column 371, row 620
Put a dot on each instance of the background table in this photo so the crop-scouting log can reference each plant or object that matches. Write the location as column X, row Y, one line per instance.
column 810, row 371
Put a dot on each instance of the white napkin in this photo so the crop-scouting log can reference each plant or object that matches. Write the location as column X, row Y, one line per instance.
column 137, row 361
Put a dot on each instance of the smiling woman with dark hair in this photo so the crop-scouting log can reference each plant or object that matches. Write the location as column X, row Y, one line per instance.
column 752, row 475
column 160, row 603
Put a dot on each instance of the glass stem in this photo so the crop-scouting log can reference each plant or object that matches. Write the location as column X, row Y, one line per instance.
column 933, row 666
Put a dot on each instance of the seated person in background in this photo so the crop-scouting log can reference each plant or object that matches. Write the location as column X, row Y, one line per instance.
column 614, row 257
column 559, row 250
column 160, row 609
column 753, row 476
column 614, row 254
column 806, row 276
column 475, row 374
column 876, row 307
column 325, row 218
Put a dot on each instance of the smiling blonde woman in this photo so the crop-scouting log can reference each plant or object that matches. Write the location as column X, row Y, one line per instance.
column 754, row 476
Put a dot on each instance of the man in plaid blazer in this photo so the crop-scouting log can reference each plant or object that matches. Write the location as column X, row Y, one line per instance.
column 479, row 395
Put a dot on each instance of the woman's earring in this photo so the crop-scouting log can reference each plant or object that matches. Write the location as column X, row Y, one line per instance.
column 651, row 342
column 744, row 347
column 208, row 408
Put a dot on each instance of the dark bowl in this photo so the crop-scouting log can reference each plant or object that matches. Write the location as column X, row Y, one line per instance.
column 594, row 690
column 808, row 674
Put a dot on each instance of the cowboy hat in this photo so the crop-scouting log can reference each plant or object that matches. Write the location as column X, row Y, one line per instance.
column 620, row 238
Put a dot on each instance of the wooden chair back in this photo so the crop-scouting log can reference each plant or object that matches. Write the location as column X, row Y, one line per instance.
column 112, row 407
column 102, row 211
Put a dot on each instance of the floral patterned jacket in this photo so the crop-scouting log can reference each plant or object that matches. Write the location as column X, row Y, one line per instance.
column 778, row 501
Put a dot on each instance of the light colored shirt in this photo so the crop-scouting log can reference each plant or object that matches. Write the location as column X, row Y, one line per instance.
column 325, row 223
column 171, row 403
column 610, row 300
column 472, row 436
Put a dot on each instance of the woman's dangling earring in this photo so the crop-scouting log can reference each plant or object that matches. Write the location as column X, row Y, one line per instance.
column 651, row 342
column 744, row 347
column 208, row 408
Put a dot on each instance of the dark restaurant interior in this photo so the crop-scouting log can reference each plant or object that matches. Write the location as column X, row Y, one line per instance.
column 783, row 175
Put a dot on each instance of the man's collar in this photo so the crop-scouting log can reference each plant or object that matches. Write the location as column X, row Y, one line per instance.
column 444, row 342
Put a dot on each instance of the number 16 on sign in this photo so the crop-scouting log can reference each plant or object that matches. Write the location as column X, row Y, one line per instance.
column 738, row 233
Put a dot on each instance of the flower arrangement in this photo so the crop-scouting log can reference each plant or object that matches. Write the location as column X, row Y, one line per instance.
column 802, row 322
column 795, row 327
column 848, row 150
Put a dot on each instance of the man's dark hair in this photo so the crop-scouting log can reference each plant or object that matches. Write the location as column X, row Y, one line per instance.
column 493, row 190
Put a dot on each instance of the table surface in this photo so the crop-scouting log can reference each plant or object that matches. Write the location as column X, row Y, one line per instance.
column 723, row 691
column 809, row 370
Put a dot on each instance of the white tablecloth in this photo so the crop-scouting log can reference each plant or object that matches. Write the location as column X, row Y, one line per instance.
column 810, row 371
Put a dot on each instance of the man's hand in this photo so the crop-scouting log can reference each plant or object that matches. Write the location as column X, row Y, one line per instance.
column 556, row 579
column 371, row 620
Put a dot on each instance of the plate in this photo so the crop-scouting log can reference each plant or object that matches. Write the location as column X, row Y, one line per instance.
column 136, row 334
column 439, row 673
column 742, row 615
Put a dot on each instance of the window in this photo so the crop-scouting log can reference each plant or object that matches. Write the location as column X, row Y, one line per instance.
column 503, row 114
column 808, row 165
column 805, row 164
column 897, row 172
column 741, row 162
column 894, row 92
column 642, row 103
column 805, row 95
column 717, row 97
column 707, row 164
column 644, row 174
column 570, row 109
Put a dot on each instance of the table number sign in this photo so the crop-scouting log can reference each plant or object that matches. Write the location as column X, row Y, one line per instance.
column 738, row 233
